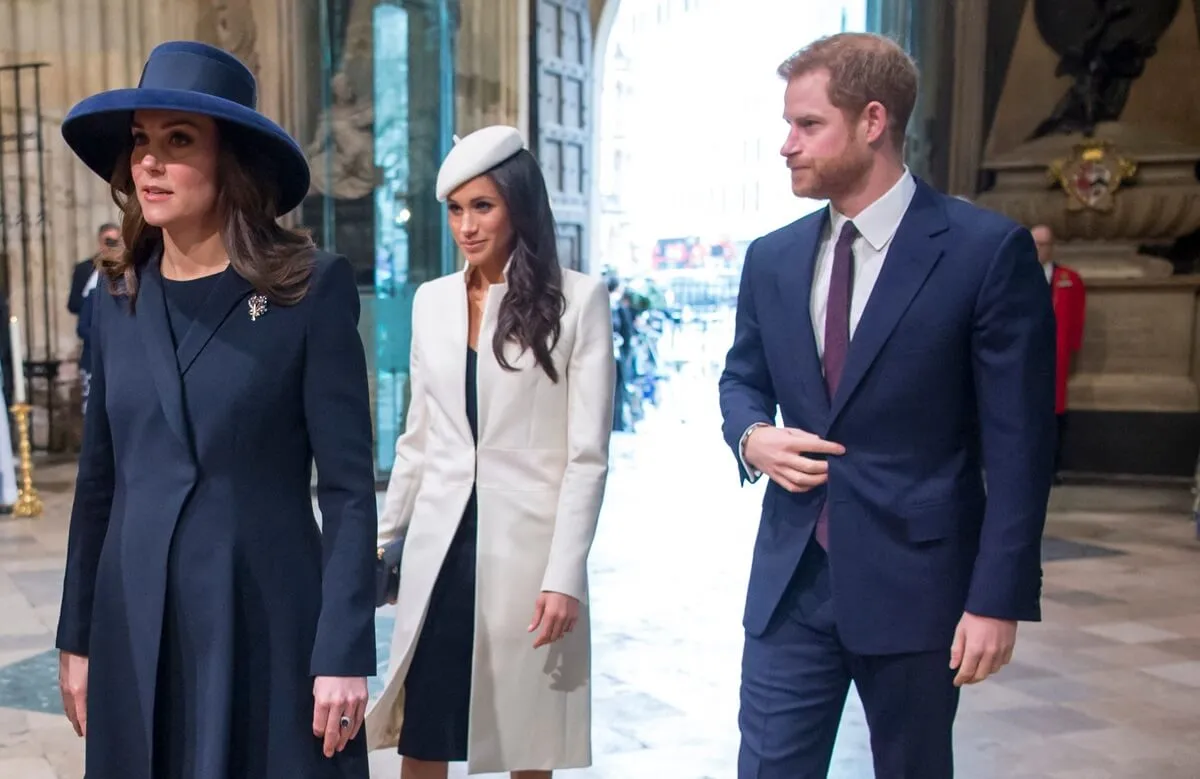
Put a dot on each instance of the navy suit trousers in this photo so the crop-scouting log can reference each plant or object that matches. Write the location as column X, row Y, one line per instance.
column 795, row 678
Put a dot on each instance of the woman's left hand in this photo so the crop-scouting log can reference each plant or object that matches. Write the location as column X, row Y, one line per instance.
column 557, row 614
column 336, row 698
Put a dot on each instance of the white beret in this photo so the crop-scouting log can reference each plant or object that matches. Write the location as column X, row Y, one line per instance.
column 475, row 155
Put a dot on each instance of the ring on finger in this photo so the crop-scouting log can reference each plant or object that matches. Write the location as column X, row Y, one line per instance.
column 344, row 723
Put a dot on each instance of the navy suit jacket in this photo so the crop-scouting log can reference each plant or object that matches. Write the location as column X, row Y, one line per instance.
column 950, row 373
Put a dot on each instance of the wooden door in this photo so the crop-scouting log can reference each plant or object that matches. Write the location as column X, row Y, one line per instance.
column 561, row 118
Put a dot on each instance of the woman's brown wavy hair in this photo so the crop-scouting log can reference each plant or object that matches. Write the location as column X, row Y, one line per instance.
column 275, row 259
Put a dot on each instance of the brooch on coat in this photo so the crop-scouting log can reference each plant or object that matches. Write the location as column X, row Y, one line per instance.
column 258, row 306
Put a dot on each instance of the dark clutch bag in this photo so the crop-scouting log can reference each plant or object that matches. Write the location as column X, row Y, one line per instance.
column 387, row 572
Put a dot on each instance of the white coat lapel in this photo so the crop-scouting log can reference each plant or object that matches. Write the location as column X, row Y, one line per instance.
column 449, row 321
column 490, row 373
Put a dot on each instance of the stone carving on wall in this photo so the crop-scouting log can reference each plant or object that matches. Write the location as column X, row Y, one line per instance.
column 342, row 152
column 230, row 25
column 1091, row 176
column 1103, row 170
column 1103, row 46
column 341, row 149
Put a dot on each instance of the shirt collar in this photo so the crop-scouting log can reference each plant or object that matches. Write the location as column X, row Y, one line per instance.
column 878, row 222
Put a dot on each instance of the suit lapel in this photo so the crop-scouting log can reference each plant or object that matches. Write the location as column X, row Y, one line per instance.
column 915, row 250
column 229, row 291
column 155, row 330
column 795, row 290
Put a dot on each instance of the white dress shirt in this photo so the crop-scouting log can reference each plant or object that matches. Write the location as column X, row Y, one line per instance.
column 877, row 225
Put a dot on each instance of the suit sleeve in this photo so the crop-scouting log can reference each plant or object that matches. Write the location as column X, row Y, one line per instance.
column 94, row 487
column 591, row 379
column 409, row 465
column 338, row 416
column 1013, row 352
column 79, row 278
column 84, row 325
column 746, row 393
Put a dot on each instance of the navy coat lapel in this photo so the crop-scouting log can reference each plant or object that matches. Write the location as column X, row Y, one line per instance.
column 155, row 330
column 795, row 289
column 914, row 252
column 230, row 290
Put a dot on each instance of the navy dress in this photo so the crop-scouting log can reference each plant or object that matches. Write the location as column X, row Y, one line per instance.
column 185, row 613
column 198, row 582
column 437, row 689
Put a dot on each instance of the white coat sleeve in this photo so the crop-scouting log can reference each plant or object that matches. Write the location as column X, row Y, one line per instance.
column 409, row 465
column 590, row 377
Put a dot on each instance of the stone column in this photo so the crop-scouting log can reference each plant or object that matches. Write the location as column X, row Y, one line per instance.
column 493, row 44
column 966, row 136
column 88, row 47
column 427, row 234
column 277, row 31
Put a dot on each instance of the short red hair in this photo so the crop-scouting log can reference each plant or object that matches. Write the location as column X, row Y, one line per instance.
column 863, row 68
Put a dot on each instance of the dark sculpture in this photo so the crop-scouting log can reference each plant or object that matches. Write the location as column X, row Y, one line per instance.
column 1103, row 46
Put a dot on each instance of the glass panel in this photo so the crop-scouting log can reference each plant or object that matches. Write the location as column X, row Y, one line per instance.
column 393, row 286
column 375, row 115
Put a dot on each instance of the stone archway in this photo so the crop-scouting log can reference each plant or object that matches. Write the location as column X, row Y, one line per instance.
column 603, row 15
column 939, row 150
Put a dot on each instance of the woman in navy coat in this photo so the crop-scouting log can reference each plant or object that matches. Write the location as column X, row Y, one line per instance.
column 209, row 628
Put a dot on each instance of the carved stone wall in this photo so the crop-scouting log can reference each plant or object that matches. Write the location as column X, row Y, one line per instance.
column 492, row 64
column 89, row 47
column 230, row 24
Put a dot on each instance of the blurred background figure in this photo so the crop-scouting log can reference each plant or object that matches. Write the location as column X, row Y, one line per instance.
column 83, row 281
column 1070, row 303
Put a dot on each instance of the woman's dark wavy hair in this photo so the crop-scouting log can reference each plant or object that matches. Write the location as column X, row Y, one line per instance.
column 531, row 312
column 275, row 259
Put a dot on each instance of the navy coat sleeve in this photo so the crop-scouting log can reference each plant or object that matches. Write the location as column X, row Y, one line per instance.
column 1013, row 360
column 94, row 486
column 747, row 394
column 338, row 415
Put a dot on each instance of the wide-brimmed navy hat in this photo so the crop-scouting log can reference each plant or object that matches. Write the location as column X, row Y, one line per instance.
column 195, row 78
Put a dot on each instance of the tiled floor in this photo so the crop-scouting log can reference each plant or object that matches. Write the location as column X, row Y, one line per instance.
column 1108, row 687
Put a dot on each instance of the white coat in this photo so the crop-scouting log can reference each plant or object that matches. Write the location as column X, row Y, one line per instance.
column 540, row 470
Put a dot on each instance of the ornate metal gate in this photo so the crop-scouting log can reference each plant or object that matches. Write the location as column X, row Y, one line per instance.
column 561, row 117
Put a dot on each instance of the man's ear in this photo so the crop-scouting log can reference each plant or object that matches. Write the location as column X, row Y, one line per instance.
column 875, row 116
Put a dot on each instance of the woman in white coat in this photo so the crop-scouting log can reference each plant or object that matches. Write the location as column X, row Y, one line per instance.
column 497, row 487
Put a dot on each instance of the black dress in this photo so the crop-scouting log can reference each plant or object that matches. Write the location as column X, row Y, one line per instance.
column 437, row 689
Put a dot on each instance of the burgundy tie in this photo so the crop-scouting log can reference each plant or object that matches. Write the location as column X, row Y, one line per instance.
column 837, row 335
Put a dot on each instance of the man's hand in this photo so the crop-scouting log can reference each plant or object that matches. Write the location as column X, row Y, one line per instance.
column 556, row 614
column 982, row 646
column 779, row 453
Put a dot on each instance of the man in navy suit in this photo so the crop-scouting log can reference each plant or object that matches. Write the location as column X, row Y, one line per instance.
column 907, row 339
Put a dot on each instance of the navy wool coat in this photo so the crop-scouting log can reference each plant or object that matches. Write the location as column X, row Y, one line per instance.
column 193, row 499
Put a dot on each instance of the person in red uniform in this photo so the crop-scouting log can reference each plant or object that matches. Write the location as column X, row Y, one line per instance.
column 1070, row 301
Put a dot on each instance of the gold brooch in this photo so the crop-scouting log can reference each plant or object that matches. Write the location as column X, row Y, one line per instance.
column 258, row 306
